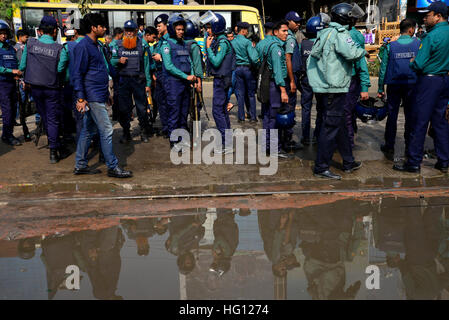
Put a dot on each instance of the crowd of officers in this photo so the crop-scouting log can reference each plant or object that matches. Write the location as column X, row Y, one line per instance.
column 159, row 70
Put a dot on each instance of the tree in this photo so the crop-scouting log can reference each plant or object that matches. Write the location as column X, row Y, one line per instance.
column 7, row 8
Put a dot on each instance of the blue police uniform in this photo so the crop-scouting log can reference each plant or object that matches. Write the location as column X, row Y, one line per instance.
column 176, row 67
column 40, row 63
column 307, row 95
column 159, row 92
column 400, row 81
column 221, row 63
column 8, row 98
column 132, row 83
column 431, row 96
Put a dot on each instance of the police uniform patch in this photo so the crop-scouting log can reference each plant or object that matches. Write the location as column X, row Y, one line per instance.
column 292, row 44
column 349, row 40
column 166, row 49
column 279, row 53
column 420, row 46
column 146, row 54
column 219, row 49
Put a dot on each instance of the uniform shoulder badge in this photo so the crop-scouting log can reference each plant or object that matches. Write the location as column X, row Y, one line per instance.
column 279, row 53
column 166, row 49
column 349, row 40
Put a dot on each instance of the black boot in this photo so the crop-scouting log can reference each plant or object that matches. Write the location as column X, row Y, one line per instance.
column 126, row 137
column 54, row 158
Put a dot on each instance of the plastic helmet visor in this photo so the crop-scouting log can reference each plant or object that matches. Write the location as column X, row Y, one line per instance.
column 356, row 12
column 206, row 18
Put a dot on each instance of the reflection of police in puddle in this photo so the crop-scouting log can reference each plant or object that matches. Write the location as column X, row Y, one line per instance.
column 422, row 275
column 328, row 239
column 140, row 230
column 185, row 235
column 279, row 241
column 226, row 240
column 99, row 256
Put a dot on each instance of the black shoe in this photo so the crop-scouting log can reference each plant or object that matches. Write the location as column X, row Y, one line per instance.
column 126, row 137
column 407, row 168
column 86, row 170
column 12, row 141
column 443, row 169
column 118, row 172
column 283, row 155
column 54, row 158
column 353, row 166
column 327, row 174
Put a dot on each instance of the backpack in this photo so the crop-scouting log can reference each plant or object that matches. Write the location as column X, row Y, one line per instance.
column 263, row 80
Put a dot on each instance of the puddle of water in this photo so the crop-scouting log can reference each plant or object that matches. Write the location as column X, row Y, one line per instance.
column 319, row 252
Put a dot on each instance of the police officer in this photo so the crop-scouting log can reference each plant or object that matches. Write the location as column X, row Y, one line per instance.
column 40, row 63
column 401, row 81
column 432, row 91
column 360, row 79
column 117, row 35
column 221, row 62
column 313, row 25
column 293, row 59
column 66, row 62
column 246, row 57
column 278, row 86
column 329, row 73
column 135, row 80
column 160, row 95
column 178, row 76
column 9, row 72
column 149, row 42
column 192, row 32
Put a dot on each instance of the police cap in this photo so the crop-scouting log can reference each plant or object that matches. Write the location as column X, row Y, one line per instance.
column 130, row 24
column 293, row 16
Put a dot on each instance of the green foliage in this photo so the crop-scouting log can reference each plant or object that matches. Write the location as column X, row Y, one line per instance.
column 374, row 67
column 7, row 8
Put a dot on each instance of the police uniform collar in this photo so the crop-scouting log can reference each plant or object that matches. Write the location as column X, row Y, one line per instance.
column 438, row 25
column 46, row 36
column 338, row 26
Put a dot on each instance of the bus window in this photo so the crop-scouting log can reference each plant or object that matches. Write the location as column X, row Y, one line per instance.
column 235, row 17
column 32, row 17
column 117, row 19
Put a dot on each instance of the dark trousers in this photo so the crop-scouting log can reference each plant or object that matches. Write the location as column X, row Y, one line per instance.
column 397, row 93
column 219, row 108
column 334, row 133
column 306, row 107
column 351, row 101
column 8, row 104
column 177, row 102
column 133, row 87
column 269, row 112
column 429, row 105
column 161, row 99
column 48, row 105
column 246, row 93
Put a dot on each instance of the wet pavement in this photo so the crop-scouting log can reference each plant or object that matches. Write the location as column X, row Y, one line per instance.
column 317, row 250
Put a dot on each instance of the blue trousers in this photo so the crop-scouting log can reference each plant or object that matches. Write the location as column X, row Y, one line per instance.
column 8, row 104
column 96, row 120
column 397, row 93
column 333, row 133
column 351, row 102
column 246, row 93
column 306, row 108
column 178, row 99
column 161, row 100
column 133, row 87
column 219, row 108
column 48, row 105
column 429, row 105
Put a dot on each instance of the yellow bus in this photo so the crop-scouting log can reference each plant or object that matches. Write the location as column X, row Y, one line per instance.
column 30, row 14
